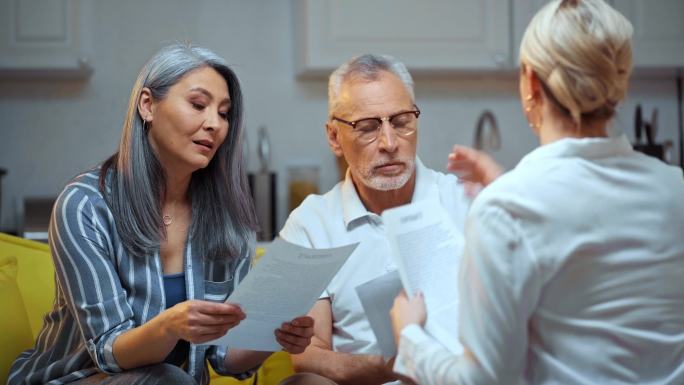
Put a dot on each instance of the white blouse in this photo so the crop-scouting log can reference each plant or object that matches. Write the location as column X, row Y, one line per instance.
column 573, row 274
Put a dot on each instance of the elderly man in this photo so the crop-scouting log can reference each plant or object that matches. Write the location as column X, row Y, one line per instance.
column 373, row 124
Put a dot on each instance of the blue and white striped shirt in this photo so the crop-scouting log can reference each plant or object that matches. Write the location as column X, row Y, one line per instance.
column 102, row 291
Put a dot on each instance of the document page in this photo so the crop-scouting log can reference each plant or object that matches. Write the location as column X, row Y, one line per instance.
column 377, row 297
column 284, row 284
column 428, row 249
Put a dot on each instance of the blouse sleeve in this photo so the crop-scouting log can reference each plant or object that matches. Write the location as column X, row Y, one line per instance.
column 82, row 252
column 499, row 286
column 217, row 355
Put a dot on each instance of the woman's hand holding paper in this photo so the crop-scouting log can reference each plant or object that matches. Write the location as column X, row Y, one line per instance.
column 295, row 336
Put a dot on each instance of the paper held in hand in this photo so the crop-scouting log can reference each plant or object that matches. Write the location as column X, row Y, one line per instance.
column 427, row 248
column 284, row 284
column 377, row 297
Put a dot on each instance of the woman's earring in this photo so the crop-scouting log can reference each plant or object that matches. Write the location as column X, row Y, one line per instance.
column 530, row 104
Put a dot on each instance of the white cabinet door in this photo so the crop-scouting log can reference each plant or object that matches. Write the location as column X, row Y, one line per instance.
column 523, row 11
column 429, row 35
column 658, row 40
column 43, row 38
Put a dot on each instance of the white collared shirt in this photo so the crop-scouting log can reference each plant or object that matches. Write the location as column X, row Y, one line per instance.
column 339, row 218
column 573, row 274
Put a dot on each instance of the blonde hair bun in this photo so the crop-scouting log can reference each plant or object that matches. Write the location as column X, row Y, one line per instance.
column 581, row 51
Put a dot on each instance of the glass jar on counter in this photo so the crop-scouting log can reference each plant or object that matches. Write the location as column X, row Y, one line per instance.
column 302, row 180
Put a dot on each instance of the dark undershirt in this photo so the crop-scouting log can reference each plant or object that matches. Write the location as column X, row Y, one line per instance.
column 174, row 289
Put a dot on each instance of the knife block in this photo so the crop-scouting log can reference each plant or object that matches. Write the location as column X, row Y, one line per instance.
column 661, row 151
column 263, row 188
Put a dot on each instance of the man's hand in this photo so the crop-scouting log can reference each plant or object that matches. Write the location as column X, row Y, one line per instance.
column 342, row 368
column 475, row 168
column 295, row 336
column 406, row 312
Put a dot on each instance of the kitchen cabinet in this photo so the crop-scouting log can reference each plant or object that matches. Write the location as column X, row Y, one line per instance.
column 428, row 36
column 658, row 40
column 523, row 11
column 44, row 39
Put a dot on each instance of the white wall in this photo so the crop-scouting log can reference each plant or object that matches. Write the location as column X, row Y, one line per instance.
column 49, row 131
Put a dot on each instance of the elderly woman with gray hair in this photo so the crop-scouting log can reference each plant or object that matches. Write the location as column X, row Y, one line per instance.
column 574, row 260
column 148, row 245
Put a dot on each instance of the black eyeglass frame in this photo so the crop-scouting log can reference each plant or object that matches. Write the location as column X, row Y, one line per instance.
column 353, row 123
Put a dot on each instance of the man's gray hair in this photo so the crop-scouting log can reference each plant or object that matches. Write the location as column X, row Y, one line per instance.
column 367, row 68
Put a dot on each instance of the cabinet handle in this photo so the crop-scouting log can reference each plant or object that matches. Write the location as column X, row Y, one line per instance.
column 500, row 60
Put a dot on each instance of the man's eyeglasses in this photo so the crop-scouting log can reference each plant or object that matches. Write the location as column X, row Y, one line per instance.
column 367, row 130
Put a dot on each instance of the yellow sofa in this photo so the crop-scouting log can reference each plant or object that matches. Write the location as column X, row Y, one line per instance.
column 27, row 290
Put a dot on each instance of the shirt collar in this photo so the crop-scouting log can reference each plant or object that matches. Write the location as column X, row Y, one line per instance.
column 353, row 208
column 588, row 148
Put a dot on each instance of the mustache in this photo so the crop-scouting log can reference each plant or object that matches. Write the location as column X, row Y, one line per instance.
column 382, row 162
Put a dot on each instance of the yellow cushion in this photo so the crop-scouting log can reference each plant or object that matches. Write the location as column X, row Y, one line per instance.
column 276, row 368
column 16, row 331
column 35, row 276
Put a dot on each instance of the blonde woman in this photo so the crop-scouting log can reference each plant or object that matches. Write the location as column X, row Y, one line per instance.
column 574, row 260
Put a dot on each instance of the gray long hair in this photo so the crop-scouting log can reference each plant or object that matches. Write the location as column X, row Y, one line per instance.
column 223, row 218
column 365, row 67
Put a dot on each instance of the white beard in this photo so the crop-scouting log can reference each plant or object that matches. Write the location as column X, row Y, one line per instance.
column 385, row 183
